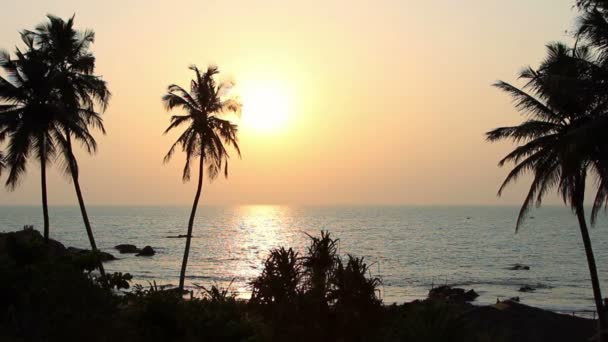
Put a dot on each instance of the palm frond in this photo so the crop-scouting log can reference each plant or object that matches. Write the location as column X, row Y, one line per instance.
column 527, row 104
column 528, row 130
column 543, row 174
column 2, row 163
column 206, row 135
column 564, row 137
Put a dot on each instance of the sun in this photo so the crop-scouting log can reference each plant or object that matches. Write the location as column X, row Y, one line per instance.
column 266, row 107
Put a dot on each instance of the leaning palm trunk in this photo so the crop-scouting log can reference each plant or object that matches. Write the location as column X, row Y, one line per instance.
column 45, row 205
column 182, row 275
column 595, row 283
column 83, row 210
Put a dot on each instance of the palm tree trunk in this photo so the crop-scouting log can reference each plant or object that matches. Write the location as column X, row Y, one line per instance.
column 45, row 205
column 83, row 209
column 182, row 275
column 595, row 283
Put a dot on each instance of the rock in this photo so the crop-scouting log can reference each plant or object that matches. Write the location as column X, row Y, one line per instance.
column 146, row 251
column 180, row 236
column 527, row 288
column 106, row 256
column 450, row 294
column 127, row 249
column 28, row 245
column 519, row 267
column 522, row 323
column 470, row 295
column 81, row 252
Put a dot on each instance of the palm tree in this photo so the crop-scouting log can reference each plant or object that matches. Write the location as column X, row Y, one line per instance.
column 206, row 133
column 554, row 144
column 592, row 4
column 2, row 165
column 593, row 25
column 28, row 117
column 593, row 29
column 68, row 52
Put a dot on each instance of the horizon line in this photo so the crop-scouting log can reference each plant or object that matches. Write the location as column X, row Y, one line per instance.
column 290, row 204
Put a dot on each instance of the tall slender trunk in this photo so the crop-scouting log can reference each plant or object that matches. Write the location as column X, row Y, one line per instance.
column 595, row 283
column 45, row 205
column 182, row 274
column 83, row 210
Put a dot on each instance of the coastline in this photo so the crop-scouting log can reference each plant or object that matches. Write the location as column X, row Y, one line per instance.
column 411, row 248
column 25, row 250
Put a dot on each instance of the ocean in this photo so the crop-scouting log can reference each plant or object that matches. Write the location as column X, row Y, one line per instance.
column 410, row 248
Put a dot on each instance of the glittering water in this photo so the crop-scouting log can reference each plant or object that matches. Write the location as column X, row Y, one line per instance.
column 411, row 248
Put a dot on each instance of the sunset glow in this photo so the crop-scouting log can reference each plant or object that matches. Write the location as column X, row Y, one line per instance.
column 353, row 97
column 266, row 107
column 304, row 170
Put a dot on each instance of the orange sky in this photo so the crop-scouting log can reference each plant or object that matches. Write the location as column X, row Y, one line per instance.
column 386, row 101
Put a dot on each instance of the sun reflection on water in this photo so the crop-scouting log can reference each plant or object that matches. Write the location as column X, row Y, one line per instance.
column 258, row 229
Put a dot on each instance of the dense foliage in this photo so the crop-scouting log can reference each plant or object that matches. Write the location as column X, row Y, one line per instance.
column 318, row 296
column 46, row 295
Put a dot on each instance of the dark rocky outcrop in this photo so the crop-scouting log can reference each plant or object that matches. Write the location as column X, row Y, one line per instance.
column 527, row 288
column 519, row 267
column 146, row 251
column 80, row 252
column 452, row 294
column 470, row 295
column 27, row 245
column 518, row 322
column 127, row 249
column 180, row 236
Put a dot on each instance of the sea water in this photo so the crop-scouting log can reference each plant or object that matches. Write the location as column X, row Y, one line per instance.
column 410, row 248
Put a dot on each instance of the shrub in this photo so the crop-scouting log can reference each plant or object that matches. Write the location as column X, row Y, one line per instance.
column 279, row 283
column 163, row 315
column 317, row 296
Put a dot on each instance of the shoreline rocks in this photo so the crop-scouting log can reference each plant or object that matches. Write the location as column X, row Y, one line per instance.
column 127, row 249
column 146, row 251
column 29, row 244
column 527, row 288
column 452, row 294
column 132, row 249
column 519, row 267
column 79, row 251
column 523, row 323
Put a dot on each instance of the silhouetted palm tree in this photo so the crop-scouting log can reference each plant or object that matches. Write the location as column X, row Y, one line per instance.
column 2, row 165
column 554, row 144
column 68, row 52
column 593, row 30
column 593, row 25
column 592, row 4
column 206, row 133
column 28, row 117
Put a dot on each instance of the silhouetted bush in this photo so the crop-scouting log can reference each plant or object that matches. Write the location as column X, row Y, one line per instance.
column 425, row 322
column 45, row 298
column 317, row 296
column 355, row 304
column 279, row 283
column 159, row 314
column 49, row 299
